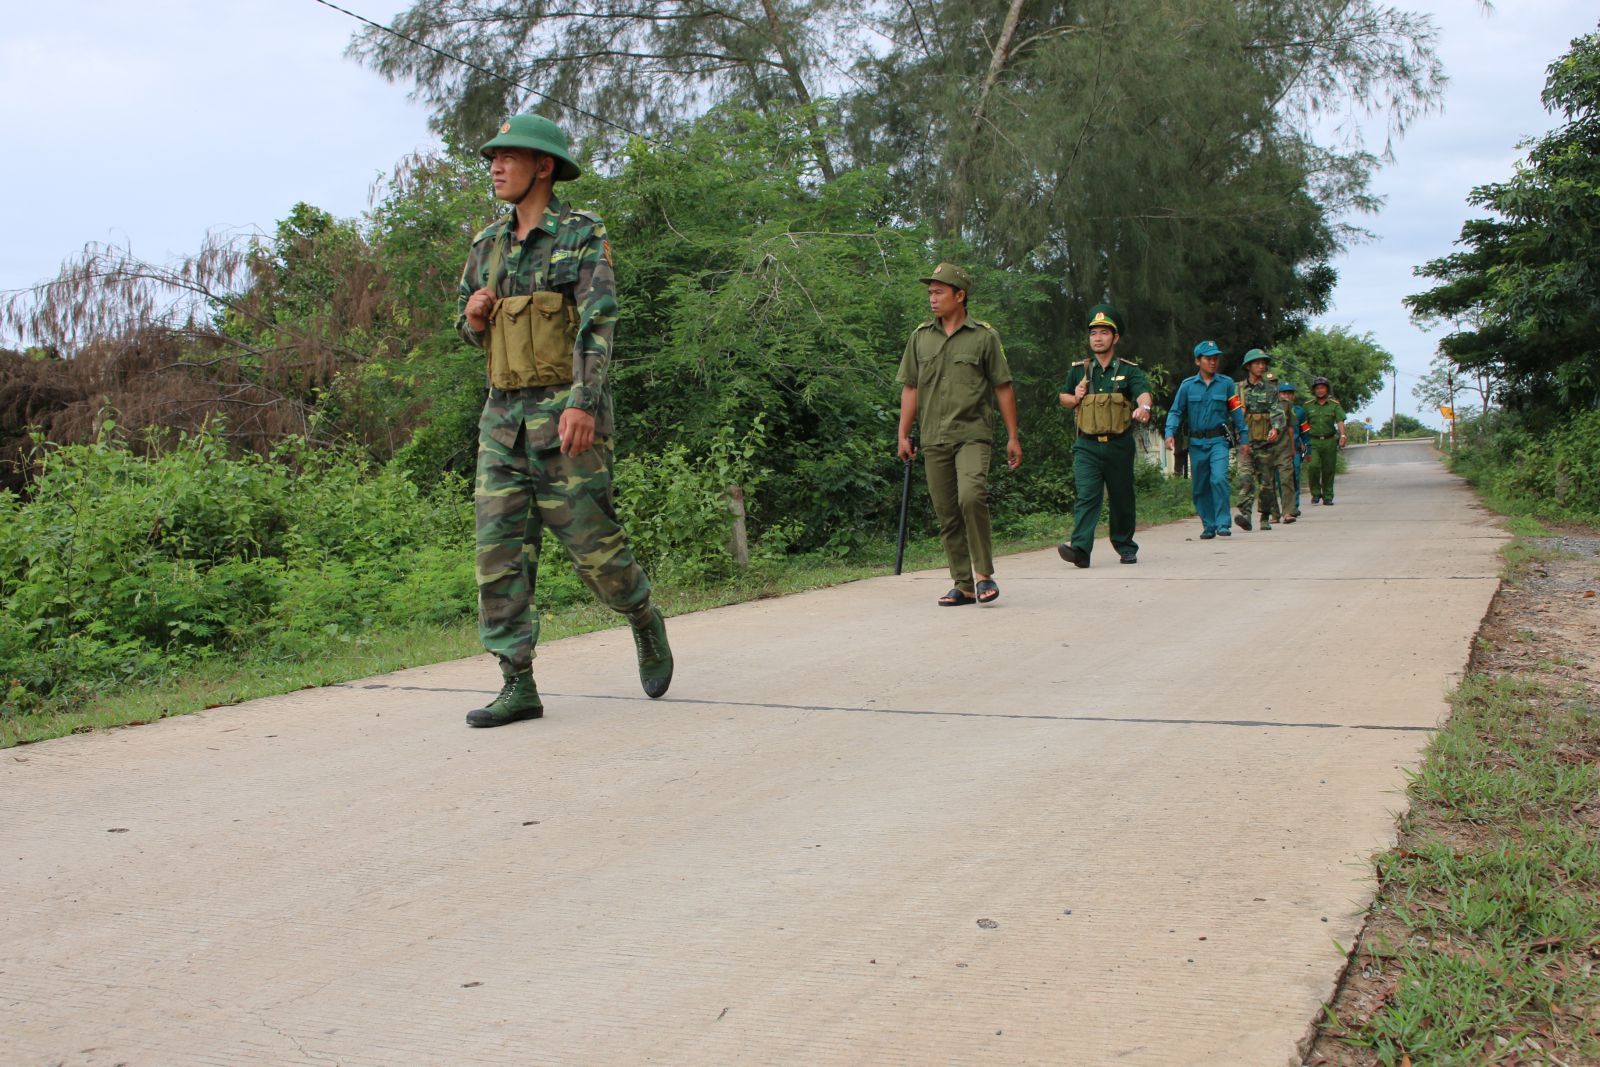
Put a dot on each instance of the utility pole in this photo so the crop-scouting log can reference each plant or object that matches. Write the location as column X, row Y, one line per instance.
column 1450, row 392
column 1394, row 394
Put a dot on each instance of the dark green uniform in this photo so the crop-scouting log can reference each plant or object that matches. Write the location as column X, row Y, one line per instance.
column 1102, row 465
column 524, row 483
column 955, row 376
column 1325, row 417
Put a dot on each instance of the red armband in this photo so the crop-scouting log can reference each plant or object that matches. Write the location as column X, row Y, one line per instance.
column 1234, row 403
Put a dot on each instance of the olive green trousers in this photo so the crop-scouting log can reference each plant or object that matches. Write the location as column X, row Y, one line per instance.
column 958, row 485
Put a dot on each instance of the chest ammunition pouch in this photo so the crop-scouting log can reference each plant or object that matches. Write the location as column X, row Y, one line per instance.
column 1102, row 414
column 532, row 335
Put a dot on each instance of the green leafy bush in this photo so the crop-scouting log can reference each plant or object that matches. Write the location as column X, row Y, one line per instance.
column 119, row 567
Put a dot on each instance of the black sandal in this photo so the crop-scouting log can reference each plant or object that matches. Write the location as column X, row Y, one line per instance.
column 987, row 591
column 954, row 599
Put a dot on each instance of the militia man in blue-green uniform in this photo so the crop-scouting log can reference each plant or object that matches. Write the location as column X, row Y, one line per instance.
column 1207, row 408
column 1326, row 428
column 539, row 297
column 953, row 374
column 1263, row 416
column 1107, row 395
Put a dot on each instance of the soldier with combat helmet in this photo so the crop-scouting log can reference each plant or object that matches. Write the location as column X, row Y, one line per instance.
column 1107, row 394
column 1326, row 419
column 1263, row 415
column 953, row 374
column 539, row 296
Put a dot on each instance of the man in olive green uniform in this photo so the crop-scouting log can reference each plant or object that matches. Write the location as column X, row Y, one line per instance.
column 539, row 296
column 1108, row 394
column 1327, row 437
column 952, row 376
column 1263, row 416
column 1294, row 443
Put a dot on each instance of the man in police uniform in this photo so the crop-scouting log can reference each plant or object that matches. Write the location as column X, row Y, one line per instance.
column 1263, row 414
column 1326, row 419
column 1205, row 405
column 1108, row 394
column 538, row 294
column 952, row 376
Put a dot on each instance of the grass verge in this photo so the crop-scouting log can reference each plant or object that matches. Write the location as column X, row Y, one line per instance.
column 229, row 680
column 1483, row 943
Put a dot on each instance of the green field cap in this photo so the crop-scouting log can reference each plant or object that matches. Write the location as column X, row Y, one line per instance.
column 1105, row 315
column 952, row 275
column 538, row 133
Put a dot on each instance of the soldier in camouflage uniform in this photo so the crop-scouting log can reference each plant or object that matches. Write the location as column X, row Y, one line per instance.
column 1263, row 416
column 538, row 294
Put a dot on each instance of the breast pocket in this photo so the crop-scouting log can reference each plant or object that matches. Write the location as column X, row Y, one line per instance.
column 966, row 370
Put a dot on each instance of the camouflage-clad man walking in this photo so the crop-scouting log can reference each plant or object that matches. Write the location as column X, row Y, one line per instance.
column 1263, row 416
column 538, row 295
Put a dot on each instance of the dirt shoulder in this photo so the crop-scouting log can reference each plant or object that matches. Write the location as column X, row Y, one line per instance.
column 1482, row 944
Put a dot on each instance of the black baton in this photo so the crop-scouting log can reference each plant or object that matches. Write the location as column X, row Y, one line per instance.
column 905, row 498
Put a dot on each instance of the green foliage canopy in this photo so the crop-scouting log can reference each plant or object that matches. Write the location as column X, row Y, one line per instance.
column 1524, row 291
column 1354, row 364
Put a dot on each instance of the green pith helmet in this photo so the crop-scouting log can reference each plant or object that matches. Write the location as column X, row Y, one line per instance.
column 950, row 275
column 538, row 133
column 1105, row 315
column 1253, row 355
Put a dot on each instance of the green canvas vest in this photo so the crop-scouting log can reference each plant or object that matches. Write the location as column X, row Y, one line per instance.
column 1101, row 414
column 531, row 336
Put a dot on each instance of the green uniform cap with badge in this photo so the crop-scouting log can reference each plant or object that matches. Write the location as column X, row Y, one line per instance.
column 538, row 133
column 951, row 275
column 1105, row 315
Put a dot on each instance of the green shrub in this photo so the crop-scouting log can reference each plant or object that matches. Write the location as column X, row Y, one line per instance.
column 121, row 567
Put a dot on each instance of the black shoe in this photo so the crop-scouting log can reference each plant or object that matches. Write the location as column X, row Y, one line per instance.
column 518, row 700
column 1316, row 500
column 1327, row 503
column 1243, row 520
column 655, row 655
column 1127, row 559
column 1076, row 557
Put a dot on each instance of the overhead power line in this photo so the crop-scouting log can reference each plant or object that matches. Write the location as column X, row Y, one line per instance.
column 391, row 31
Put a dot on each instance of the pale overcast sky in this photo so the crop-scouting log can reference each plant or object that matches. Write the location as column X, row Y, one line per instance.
column 148, row 125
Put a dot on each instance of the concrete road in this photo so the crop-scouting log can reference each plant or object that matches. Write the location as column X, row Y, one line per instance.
column 1120, row 817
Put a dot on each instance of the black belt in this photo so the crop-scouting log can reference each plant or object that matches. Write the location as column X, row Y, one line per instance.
column 1203, row 434
column 527, row 391
column 1102, row 438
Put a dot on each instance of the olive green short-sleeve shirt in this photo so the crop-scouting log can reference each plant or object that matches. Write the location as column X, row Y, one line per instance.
column 1324, row 418
column 954, row 377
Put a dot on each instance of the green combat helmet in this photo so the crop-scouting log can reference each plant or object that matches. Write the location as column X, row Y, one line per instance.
column 950, row 275
column 1253, row 355
column 538, row 133
column 1105, row 315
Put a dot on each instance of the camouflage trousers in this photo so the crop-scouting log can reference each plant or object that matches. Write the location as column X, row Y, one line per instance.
column 1257, row 478
column 523, row 488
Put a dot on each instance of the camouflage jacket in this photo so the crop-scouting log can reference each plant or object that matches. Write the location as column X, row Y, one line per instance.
column 1262, row 407
column 567, row 251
